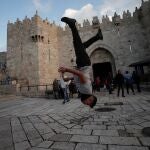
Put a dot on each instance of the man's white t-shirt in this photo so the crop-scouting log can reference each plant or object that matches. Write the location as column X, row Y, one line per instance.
column 62, row 83
column 84, row 88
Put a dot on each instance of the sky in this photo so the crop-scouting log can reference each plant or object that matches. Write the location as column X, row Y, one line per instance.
column 53, row 10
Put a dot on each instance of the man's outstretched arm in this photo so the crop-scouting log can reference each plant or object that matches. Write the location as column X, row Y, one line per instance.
column 73, row 71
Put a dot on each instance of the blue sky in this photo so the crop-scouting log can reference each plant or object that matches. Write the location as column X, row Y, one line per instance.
column 55, row 9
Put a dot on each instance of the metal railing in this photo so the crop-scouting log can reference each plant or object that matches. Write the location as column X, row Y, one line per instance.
column 5, row 82
column 37, row 87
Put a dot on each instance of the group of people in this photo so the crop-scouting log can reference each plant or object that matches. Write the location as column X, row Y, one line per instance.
column 64, row 88
column 106, row 82
column 121, row 80
column 127, row 80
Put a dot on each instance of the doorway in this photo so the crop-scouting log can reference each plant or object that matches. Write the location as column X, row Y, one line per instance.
column 101, row 70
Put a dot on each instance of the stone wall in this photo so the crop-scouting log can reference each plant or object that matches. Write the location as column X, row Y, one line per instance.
column 36, row 47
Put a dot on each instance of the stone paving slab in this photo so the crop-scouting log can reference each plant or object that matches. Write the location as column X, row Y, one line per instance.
column 22, row 145
column 63, row 146
column 85, row 146
column 106, row 132
column 84, row 139
column 41, row 124
column 116, row 147
column 35, row 142
column 145, row 141
column 6, row 142
column 119, row 140
column 78, row 131
column 19, row 137
column 61, row 137
column 45, row 144
column 37, row 148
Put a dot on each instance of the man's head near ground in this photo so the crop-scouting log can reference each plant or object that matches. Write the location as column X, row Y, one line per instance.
column 89, row 100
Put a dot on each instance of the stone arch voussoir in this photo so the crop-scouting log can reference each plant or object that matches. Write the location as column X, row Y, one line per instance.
column 104, row 46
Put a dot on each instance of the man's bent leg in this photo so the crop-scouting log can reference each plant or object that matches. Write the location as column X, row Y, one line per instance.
column 95, row 38
column 82, row 58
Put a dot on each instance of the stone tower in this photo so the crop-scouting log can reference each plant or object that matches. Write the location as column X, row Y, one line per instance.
column 32, row 55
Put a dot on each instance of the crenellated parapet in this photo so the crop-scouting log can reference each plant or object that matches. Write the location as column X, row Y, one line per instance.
column 118, row 20
column 86, row 23
column 35, row 29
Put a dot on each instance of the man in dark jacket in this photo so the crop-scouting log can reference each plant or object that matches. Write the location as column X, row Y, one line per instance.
column 120, row 82
column 136, row 79
column 128, row 81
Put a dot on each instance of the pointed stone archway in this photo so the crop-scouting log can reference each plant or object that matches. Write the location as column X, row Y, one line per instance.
column 103, row 62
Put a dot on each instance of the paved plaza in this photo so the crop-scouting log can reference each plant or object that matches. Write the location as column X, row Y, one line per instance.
column 41, row 124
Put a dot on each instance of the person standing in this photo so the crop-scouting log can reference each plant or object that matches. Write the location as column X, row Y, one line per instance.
column 108, row 82
column 67, row 88
column 128, row 82
column 120, row 83
column 56, row 89
column 97, row 83
column 136, row 80
column 64, row 89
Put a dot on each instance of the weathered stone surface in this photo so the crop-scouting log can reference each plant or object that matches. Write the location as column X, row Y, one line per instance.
column 24, row 120
column 45, row 144
column 78, row 131
column 19, row 137
column 94, row 127
column 47, row 136
column 115, row 147
column 145, row 141
column 61, row 137
column 84, row 139
column 23, row 133
column 119, row 140
column 37, row 148
column 63, row 146
column 83, row 146
column 106, row 132
column 6, row 142
column 22, row 146
column 42, row 128
column 35, row 142
column 33, row 134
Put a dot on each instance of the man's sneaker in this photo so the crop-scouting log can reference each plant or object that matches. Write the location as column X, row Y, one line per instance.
column 63, row 102
column 69, row 21
column 99, row 34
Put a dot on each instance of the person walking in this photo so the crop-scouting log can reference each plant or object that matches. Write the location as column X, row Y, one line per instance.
column 136, row 80
column 120, row 83
column 108, row 82
column 83, row 69
column 129, row 82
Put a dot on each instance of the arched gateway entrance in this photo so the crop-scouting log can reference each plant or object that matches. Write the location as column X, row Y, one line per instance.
column 102, row 63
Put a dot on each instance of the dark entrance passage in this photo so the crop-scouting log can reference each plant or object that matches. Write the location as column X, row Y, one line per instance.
column 102, row 70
